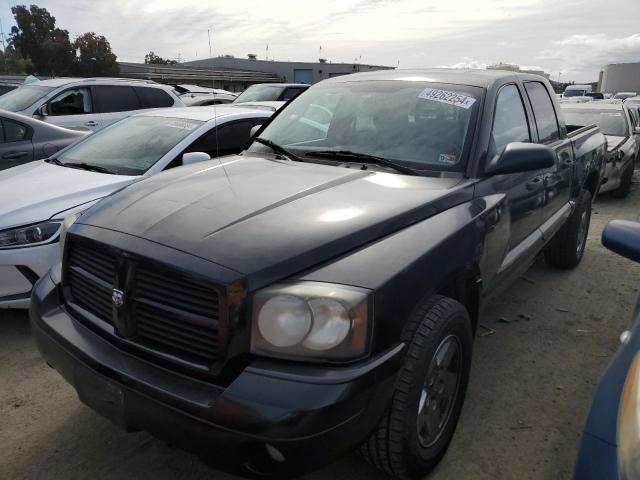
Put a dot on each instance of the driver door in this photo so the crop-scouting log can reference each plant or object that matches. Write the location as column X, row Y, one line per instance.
column 73, row 108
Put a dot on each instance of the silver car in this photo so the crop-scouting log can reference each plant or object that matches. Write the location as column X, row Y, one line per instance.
column 87, row 103
column 24, row 139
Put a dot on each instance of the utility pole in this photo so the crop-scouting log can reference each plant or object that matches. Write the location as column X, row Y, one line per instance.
column 209, row 34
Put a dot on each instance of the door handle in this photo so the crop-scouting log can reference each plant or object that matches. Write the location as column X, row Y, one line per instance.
column 14, row 155
column 91, row 123
column 534, row 183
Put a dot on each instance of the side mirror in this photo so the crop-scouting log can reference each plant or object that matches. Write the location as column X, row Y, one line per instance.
column 42, row 111
column 194, row 157
column 521, row 157
column 623, row 238
column 254, row 130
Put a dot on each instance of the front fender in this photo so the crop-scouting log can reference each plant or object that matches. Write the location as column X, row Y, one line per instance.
column 414, row 262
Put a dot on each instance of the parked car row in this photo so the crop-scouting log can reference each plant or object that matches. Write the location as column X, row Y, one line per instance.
column 317, row 287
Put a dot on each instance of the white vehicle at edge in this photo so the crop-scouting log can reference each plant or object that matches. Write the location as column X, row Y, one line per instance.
column 36, row 198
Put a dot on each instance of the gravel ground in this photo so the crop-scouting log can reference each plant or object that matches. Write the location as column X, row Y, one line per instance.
column 531, row 386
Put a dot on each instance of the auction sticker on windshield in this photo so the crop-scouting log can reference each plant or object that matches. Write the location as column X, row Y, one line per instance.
column 451, row 98
column 183, row 124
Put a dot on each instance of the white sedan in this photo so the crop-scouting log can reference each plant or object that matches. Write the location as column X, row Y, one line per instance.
column 36, row 198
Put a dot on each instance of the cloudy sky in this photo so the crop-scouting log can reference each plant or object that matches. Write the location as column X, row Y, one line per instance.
column 571, row 38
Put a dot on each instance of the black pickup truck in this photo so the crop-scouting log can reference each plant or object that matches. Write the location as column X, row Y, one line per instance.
column 274, row 310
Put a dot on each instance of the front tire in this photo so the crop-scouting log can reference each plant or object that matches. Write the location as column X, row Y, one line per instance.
column 566, row 249
column 625, row 182
column 416, row 430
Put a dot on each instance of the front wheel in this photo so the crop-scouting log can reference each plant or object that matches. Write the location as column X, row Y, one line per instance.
column 416, row 430
column 625, row 182
column 566, row 249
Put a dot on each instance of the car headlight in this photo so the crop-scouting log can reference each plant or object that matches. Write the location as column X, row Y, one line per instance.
column 66, row 224
column 30, row 235
column 629, row 424
column 311, row 321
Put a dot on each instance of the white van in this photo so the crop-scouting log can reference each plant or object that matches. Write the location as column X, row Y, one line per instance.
column 87, row 103
column 577, row 90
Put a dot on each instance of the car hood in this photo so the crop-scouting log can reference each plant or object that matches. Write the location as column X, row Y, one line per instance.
column 269, row 219
column 39, row 190
column 614, row 141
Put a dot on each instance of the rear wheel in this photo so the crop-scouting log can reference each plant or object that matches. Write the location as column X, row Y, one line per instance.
column 566, row 249
column 416, row 430
column 625, row 183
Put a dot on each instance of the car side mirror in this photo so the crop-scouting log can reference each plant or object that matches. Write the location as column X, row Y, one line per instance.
column 254, row 130
column 42, row 110
column 623, row 238
column 521, row 157
column 194, row 157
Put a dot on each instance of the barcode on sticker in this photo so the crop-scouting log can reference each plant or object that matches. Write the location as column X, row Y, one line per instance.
column 450, row 98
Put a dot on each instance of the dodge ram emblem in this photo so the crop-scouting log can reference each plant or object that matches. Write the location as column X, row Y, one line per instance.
column 117, row 297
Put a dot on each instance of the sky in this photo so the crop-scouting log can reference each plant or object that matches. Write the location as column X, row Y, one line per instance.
column 570, row 39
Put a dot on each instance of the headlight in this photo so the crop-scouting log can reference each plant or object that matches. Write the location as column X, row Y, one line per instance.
column 629, row 424
column 68, row 221
column 315, row 321
column 31, row 235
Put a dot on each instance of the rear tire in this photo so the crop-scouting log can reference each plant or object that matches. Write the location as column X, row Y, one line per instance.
column 625, row 182
column 416, row 430
column 566, row 249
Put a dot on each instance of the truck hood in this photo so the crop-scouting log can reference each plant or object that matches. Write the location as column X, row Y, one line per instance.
column 269, row 219
column 39, row 190
column 614, row 142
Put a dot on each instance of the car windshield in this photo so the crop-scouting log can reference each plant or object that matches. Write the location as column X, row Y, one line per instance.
column 610, row 122
column 131, row 146
column 22, row 97
column 419, row 125
column 260, row 93
column 574, row 93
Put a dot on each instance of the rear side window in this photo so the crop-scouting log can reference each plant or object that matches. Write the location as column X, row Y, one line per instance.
column 154, row 97
column 289, row 93
column 510, row 121
column 115, row 99
column 546, row 119
column 230, row 139
column 14, row 131
column 76, row 101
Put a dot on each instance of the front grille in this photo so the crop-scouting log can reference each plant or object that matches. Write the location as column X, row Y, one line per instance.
column 91, row 274
column 165, row 310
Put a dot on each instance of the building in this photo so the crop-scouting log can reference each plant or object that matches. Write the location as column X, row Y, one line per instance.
column 516, row 68
column 620, row 77
column 290, row 72
column 231, row 80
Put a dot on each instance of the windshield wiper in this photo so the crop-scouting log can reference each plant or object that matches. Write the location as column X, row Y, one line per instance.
column 349, row 156
column 54, row 160
column 278, row 149
column 89, row 167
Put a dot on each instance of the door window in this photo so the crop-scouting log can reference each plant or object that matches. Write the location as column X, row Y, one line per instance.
column 229, row 139
column 510, row 121
column 14, row 131
column 290, row 93
column 76, row 101
column 546, row 120
column 116, row 99
column 153, row 97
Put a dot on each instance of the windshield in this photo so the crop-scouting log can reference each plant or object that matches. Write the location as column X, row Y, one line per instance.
column 611, row 122
column 22, row 97
column 425, row 126
column 131, row 146
column 260, row 93
column 574, row 93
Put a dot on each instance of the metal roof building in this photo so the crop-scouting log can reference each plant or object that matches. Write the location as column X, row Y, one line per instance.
column 620, row 77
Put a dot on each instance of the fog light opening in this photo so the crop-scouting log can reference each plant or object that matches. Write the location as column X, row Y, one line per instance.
column 274, row 453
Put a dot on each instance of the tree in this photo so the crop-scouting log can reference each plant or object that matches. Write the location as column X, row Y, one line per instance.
column 37, row 38
column 152, row 58
column 12, row 63
column 94, row 56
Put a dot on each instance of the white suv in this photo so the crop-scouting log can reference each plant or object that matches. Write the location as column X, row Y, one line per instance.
column 87, row 103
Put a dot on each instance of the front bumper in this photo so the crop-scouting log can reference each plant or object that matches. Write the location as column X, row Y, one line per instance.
column 274, row 419
column 20, row 268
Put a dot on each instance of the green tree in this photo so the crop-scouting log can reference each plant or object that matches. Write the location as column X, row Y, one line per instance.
column 12, row 63
column 94, row 56
column 152, row 58
column 37, row 38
